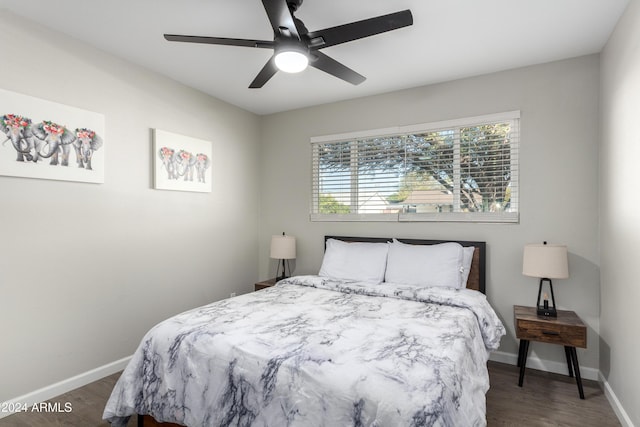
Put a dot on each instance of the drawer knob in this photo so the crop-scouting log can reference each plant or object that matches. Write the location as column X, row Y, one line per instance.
column 550, row 333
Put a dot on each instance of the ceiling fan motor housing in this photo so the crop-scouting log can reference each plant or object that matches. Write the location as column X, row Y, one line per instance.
column 294, row 4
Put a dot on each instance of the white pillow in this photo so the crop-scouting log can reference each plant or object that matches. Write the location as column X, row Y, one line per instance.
column 365, row 262
column 467, row 258
column 425, row 265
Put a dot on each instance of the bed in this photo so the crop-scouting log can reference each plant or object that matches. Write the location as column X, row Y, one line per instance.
column 327, row 351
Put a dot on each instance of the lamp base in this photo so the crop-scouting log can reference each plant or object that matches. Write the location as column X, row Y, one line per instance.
column 547, row 312
column 284, row 271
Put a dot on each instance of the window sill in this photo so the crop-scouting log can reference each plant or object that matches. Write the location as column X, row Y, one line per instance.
column 500, row 218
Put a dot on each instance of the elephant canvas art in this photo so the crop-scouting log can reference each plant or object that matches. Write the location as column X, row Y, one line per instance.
column 18, row 130
column 86, row 143
column 166, row 155
column 39, row 130
column 202, row 164
column 176, row 162
column 55, row 140
column 179, row 164
column 185, row 161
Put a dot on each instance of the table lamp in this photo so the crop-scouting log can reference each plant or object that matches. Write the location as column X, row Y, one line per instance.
column 283, row 248
column 545, row 261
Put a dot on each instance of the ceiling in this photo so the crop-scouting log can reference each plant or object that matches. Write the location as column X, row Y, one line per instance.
column 450, row 39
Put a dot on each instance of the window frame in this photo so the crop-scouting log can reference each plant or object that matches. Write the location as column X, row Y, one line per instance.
column 455, row 125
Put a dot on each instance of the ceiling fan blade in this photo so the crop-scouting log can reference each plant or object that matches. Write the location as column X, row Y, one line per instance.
column 281, row 19
column 265, row 74
column 329, row 65
column 359, row 29
column 219, row 40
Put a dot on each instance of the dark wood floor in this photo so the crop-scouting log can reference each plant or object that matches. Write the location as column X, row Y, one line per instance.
column 545, row 400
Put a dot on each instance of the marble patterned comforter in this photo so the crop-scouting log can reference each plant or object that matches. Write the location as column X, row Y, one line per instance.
column 313, row 351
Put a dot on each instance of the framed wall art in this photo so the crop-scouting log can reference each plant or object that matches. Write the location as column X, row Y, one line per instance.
column 47, row 140
column 181, row 163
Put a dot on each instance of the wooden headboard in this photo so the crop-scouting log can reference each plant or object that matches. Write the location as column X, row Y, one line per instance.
column 477, row 275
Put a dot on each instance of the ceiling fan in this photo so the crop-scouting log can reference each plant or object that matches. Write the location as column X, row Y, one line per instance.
column 295, row 47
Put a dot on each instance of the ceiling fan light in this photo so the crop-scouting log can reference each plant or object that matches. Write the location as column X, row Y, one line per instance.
column 291, row 61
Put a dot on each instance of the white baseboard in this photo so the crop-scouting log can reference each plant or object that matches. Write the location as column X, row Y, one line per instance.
column 64, row 386
column 622, row 415
column 561, row 368
column 534, row 362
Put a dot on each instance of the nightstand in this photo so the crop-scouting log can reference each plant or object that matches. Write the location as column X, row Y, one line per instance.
column 567, row 329
column 264, row 284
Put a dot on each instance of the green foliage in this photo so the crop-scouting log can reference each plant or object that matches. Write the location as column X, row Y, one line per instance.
column 329, row 205
column 414, row 181
column 398, row 197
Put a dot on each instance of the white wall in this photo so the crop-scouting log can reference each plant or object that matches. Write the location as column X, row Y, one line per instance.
column 558, row 172
column 86, row 269
column 619, row 211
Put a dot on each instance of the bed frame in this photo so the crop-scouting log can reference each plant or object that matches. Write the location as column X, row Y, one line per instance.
column 149, row 421
column 476, row 281
column 477, row 274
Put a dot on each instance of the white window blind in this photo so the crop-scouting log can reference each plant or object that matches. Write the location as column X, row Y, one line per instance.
column 462, row 170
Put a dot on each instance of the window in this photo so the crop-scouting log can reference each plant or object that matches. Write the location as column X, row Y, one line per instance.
column 458, row 170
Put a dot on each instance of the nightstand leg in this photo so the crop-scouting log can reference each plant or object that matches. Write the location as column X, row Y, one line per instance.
column 520, row 350
column 567, row 352
column 524, row 350
column 576, row 368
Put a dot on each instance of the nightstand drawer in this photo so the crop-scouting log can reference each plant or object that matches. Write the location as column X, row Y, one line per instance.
column 553, row 333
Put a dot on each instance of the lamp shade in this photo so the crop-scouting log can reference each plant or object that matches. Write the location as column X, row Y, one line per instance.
column 283, row 247
column 545, row 261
